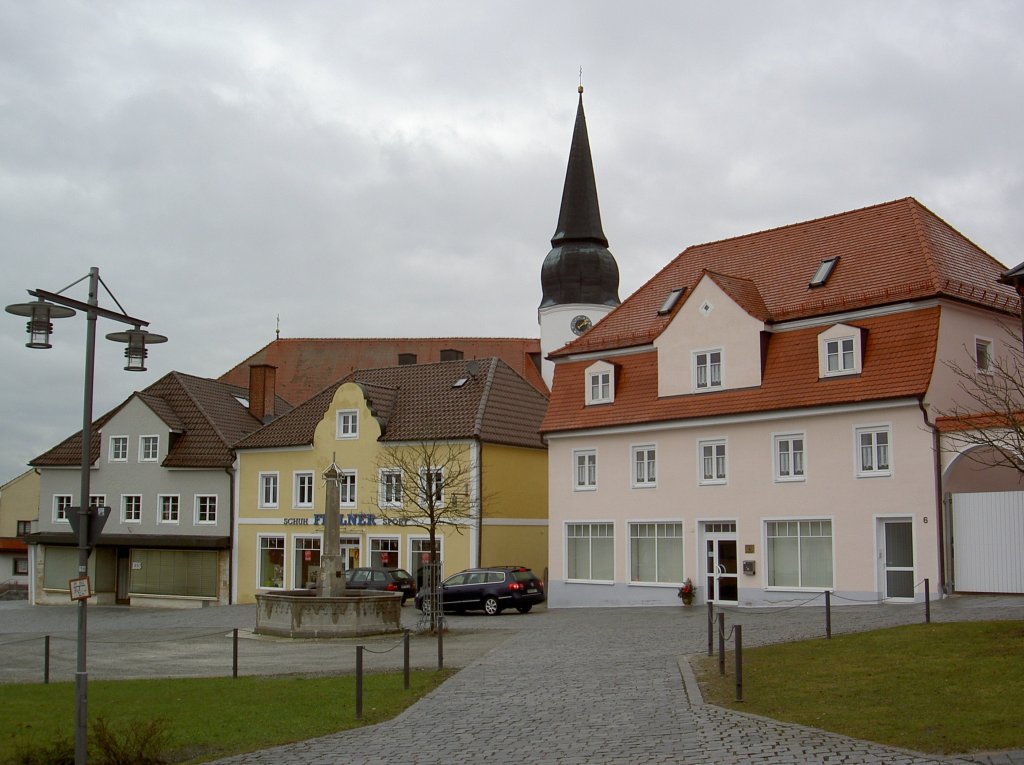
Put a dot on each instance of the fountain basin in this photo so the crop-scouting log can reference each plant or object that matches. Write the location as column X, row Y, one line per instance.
column 301, row 614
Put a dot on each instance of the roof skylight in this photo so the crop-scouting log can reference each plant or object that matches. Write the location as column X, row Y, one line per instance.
column 671, row 300
column 824, row 271
column 460, row 382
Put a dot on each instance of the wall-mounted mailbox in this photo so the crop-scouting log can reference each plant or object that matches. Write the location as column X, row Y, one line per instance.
column 748, row 567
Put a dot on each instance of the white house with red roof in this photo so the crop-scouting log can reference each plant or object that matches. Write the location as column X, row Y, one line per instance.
column 760, row 418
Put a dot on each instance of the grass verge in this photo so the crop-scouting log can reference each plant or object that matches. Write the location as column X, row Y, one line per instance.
column 938, row 688
column 210, row 717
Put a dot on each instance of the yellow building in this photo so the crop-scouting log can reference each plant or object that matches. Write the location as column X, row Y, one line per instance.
column 457, row 441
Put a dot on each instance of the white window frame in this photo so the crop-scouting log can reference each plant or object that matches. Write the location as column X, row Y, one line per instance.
column 259, row 560
column 766, row 545
column 161, row 507
column 112, row 453
column 708, row 367
column 346, row 424
column 200, row 511
column 348, row 488
column 438, row 490
column 783, row 475
column 983, row 362
column 845, row 358
column 873, row 431
column 599, row 383
column 714, row 444
column 392, row 540
column 302, row 543
column 599, row 387
column 605, row 525
column 269, row 483
column 303, row 488
column 143, row 451
column 385, row 494
column 837, row 334
column 62, row 504
column 124, row 508
column 643, row 466
column 585, row 460
column 634, row 526
column 97, row 500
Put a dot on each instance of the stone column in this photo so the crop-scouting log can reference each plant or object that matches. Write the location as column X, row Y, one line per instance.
column 331, row 583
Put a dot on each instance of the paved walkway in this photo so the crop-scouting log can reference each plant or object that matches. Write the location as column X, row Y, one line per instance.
column 590, row 686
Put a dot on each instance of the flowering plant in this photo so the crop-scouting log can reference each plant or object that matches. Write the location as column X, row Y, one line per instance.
column 686, row 591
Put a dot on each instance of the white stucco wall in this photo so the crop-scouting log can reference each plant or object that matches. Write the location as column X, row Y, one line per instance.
column 751, row 496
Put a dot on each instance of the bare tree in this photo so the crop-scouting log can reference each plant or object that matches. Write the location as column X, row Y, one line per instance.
column 427, row 484
column 988, row 410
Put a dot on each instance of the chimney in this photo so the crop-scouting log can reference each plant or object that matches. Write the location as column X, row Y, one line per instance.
column 262, row 391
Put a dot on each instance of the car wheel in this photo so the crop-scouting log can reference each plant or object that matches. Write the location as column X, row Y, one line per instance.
column 524, row 609
column 491, row 606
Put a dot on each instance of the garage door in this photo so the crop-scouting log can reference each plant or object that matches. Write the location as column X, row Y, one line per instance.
column 988, row 537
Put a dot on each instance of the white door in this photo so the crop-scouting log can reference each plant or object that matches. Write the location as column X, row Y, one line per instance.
column 898, row 558
column 720, row 570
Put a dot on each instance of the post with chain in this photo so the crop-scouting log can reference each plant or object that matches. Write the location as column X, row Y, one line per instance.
column 738, row 632
column 46, row 659
column 711, row 628
column 234, row 653
column 359, row 682
column 406, row 659
column 721, row 644
column 828, row 615
column 927, row 602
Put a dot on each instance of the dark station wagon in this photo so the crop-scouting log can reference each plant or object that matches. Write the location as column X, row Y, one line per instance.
column 491, row 589
column 387, row 579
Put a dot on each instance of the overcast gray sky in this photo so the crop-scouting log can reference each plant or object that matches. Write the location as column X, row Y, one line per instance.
column 395, row 168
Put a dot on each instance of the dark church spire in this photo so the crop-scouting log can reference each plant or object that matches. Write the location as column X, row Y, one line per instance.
column 579, row 269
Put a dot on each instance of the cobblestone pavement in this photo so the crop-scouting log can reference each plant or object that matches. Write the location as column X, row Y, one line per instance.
column 562, row 686
column 604, row 686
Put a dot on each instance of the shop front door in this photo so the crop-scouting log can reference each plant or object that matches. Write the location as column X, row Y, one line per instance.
column 721, row 562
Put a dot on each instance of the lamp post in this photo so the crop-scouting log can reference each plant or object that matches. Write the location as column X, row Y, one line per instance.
column 48, row 306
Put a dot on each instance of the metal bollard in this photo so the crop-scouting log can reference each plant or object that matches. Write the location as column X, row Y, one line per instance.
column 738, row 631
column 234, row 652
column 721, row 644
column 46, row 659
column 711, row 628
column 828, row 615
column 406, row 649
column 927, row 602
column 359, row 682
column 440, row 645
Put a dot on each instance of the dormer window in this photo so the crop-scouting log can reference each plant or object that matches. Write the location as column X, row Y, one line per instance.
column 824, row 271
column 600, row 383
column 839, row 356
column 839, row 351
column 707, row 369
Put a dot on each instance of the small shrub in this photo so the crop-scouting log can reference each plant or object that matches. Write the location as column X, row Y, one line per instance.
column 58, row 752
column 134, row 743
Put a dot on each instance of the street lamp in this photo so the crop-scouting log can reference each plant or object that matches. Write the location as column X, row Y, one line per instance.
column 48, row 306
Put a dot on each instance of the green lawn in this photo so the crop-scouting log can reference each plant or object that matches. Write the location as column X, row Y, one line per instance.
column 939, row 688
column 212, row 717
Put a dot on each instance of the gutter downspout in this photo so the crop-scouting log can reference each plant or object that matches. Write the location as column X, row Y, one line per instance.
column 478, row 448
column 233, row 520
column 940, row 514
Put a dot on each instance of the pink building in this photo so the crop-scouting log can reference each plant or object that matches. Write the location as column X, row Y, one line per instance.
column 760, row 417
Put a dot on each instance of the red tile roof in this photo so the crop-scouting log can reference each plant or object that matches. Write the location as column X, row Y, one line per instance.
column 307, row 365
column 892, row 252
column 205, row 415
column 898, row 358
column 422, row 401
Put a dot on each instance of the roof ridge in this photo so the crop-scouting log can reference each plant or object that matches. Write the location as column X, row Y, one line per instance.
column 199, row 407
column 786, row 226
column 926, row 248
column 485, row 395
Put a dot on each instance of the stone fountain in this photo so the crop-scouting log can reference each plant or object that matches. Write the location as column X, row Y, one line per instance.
column 329, row 610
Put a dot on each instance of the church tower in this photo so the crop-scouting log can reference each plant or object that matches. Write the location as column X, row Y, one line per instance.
column 579, row 278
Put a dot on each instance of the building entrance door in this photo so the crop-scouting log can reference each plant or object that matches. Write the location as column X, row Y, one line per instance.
column 898, row 557
column 349, row 550
column 721, row 562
